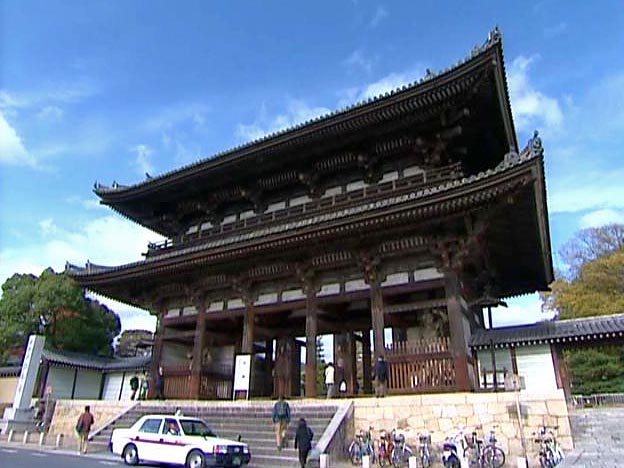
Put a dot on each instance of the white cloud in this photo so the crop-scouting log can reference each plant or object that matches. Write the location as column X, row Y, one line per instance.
column 583, row 191
column 601, row 218
column 297, row 112
column 378, row 16
column 51, row 113
column 357, row 61
column 106, row 240
column 143, row 160
column 531, row 108
column 555, row 30
column 171, row 116
column 12, row 149
column 132, row 318
column 521, row 310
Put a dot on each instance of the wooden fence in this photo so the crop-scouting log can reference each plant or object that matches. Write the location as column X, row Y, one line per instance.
column 421, row 366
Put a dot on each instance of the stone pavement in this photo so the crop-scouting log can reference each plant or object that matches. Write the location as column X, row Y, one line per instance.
column 598, row 435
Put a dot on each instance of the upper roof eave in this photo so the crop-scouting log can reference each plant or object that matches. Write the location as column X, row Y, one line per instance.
column 491, row 49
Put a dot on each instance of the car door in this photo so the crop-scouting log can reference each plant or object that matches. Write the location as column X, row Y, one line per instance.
column 147, row 439
column 172, row 442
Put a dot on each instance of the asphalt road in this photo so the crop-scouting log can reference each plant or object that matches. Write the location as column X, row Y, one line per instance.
column 25, row 458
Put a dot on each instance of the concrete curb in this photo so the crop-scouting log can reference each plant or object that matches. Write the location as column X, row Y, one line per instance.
column 100, row 455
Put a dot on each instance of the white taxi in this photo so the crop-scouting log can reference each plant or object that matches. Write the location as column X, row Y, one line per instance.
column 177, row 440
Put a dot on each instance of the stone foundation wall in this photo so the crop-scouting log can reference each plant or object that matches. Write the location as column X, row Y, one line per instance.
column 444, row 414
column 67, row 412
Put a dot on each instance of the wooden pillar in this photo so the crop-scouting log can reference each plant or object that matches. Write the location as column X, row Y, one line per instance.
column 459, row 347
column 268, row 368
column 366, row 363
column 311, row 365
column 157, row 348
column 561, row 370
column 198, row 349
column 372, row 276
column 249, row 325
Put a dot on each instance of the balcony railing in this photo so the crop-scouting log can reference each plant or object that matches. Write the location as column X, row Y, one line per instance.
column 293, row 213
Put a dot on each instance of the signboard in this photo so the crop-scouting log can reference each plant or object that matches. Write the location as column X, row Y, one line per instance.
column 242, row 374
column 28, row 375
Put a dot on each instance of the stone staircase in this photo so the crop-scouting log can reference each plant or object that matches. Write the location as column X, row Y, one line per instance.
column 252, row 420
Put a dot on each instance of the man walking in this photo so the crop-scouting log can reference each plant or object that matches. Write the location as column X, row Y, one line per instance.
column 160, row 384
column 303, row 441
column 330, row 373
column 281, row 418
column 381, row 376
column 83, row 427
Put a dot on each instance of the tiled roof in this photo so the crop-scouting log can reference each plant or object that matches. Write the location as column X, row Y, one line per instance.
column 11, row 371
column 589, row 329
column 104, row 364
column 509, row 162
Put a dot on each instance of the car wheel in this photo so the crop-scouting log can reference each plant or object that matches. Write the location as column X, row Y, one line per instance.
column 195, row 459
column 130, row 455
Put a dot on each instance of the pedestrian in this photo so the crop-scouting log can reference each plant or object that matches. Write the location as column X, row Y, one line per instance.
column 134, row 386
column 381, row 376
column 144, row 386
column 303, row 441
column 83, row 427
column 330, row 372
column 160, row 384
column 281, row 418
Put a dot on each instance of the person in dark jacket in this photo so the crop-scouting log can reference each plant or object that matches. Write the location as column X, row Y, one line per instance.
column 303, row 441
column 381, row 376
column 160, row 384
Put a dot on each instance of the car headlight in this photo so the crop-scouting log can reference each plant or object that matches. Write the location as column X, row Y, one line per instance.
column 245, row 449
column 219, row 449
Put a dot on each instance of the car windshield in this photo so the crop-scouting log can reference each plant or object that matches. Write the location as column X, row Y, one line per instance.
column 196, row 427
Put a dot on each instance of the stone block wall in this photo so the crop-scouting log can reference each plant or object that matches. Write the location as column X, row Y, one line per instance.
column 444, row 414
column 67, row 413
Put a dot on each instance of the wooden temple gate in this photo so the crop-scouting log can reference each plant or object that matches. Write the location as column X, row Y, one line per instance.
column 358, row 222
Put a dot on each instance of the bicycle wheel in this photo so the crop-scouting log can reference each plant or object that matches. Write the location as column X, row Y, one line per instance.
column 494, row 457
column 471, row 456
column 355, row 453
column 425, row 458
column 395, row 458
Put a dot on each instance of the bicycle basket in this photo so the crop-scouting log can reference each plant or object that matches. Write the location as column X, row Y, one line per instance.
column 424, row 439
column 399, row 438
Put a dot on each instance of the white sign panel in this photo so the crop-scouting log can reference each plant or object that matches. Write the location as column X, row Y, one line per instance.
column 242, row 372
column 28, row 375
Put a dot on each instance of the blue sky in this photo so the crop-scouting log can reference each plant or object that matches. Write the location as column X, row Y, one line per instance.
column 109, row 90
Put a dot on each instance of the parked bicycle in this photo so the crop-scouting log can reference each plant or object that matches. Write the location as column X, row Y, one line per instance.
column 384, row 448
column 424, row 453
column 483, row 454
column 401, row 451
column 550, row 452
column 362, row 445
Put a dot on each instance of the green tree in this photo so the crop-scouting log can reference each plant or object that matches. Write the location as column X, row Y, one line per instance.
column 53, row 304
column 592, row 284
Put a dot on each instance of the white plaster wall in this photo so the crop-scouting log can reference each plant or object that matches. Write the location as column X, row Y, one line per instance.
column 536, row 365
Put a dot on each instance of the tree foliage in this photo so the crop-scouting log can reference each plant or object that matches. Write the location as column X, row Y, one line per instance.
column 592, row 284
column 54, row 305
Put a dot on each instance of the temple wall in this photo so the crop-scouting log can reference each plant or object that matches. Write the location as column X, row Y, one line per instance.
column 67, row 412
column 8, row 385
column 444, row 414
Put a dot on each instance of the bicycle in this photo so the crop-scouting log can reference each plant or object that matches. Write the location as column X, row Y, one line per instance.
column 401, row 452
column 483, row 455
column 362, row 445
column 384, row 449
column 550, row 453
column 424, row 454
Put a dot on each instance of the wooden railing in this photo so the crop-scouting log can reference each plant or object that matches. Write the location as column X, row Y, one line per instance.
column 421, row 366
column 370, row 194
column 214, row 384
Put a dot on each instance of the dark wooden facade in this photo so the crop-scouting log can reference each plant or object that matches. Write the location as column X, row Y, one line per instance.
column 398, row 213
